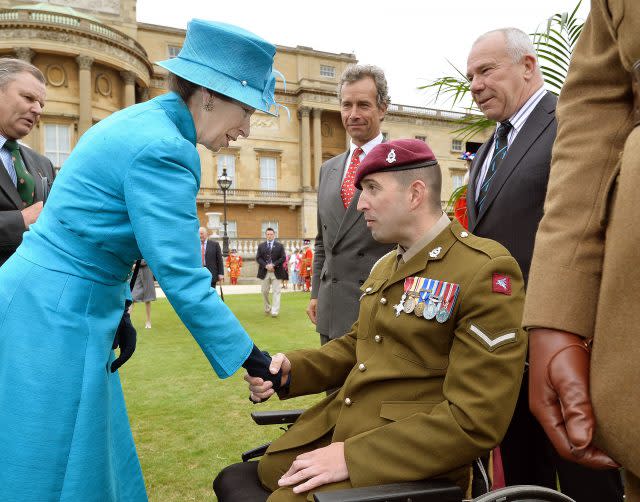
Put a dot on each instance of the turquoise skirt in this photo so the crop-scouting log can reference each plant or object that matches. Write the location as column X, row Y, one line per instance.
column 64, row 430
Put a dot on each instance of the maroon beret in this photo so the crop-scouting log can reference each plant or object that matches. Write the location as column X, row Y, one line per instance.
column 396, row 155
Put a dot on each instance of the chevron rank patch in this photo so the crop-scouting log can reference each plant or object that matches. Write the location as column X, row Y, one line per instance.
column 501, row 283
column 492, row 341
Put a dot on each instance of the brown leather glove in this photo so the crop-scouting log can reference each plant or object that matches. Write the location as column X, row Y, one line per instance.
column 559, row 395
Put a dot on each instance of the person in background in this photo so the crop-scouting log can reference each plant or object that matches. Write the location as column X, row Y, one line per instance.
column 306, row 265
column 234, row 266
column 25, row 176
column 294, row 270
column 144, row 290
column 211, row 255
column 344, row 250
column 127, row 191
column 270, row 257
column 507, row 187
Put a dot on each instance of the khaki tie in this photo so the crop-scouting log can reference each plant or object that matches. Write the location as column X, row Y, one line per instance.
column 25, row 180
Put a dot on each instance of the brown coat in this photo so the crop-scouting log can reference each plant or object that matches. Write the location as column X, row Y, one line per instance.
column 419, row 398
column 585, row 277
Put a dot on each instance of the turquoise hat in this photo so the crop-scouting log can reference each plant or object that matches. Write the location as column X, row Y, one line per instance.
column 229, row 60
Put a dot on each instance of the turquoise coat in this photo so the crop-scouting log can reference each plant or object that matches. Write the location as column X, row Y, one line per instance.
column 128, row 190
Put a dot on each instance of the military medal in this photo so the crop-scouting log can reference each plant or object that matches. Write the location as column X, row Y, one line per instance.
column 411, row 301
column 452, row 295
column 399, row 307
column 432, row 308
column 443, row 312
column 423, row 296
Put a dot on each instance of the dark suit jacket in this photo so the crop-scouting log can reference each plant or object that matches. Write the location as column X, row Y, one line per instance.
column 213, row 260
column 345, row 251
column 514, row 203
column 11, row 221
column 277, row 257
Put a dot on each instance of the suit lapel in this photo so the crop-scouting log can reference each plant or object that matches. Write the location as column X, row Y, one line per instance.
column 351, row 216
column 474, row 173
column 332, row 189
column 9, row 189
column 536, row 123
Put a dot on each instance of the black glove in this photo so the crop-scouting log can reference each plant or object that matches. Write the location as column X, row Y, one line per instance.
column 257, row 365
column 125, row 339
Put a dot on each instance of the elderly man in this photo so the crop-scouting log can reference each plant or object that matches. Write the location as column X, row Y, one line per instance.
column 211, row 255
column 430, row 371
column 344, row 249
column 507, row 187
column 585, row 273
column 25, row 176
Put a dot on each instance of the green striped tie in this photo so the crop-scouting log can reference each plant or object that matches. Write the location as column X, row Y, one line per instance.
column 25, row 180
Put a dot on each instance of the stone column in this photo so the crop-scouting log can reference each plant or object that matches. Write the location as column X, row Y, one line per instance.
column 84, row 77
column 317, row 144
column 305, row 143
column 129, row 87
column 24, row 53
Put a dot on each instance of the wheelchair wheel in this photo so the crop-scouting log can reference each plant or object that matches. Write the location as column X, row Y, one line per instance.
column 523, row 493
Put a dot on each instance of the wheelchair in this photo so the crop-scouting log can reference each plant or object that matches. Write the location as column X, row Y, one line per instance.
column 246, row 486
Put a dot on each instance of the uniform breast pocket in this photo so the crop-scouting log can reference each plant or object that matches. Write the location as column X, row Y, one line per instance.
column 424, row 343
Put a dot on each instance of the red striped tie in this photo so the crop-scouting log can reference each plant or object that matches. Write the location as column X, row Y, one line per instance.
column 347, row 190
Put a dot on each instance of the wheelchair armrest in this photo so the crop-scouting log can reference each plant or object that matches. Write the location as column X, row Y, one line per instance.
column 276, row 417
column 420, row 491
column 256, row 452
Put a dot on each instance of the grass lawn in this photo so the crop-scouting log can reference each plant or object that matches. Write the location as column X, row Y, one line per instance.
column 187, row 423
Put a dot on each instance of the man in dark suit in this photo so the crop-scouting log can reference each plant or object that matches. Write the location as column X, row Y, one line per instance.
column 345, row 251
column 507, row 187
column 25, row 176
column 270, row 257
column 211, row 257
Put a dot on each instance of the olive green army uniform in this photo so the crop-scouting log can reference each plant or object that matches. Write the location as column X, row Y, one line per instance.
column 419, row 398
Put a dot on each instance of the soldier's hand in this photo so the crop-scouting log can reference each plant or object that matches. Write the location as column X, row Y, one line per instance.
column 261, row 390
column 559, row 395
column 30, row 214
column 316, row 468
column 312, row 310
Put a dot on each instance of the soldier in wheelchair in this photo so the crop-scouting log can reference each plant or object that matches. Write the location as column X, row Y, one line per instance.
column 428, row 374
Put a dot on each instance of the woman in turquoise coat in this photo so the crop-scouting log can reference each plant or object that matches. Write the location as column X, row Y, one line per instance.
column 127, row 191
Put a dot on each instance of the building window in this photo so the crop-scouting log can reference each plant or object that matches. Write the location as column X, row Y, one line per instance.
column 269, row 224
column 268, row 174
column 232, row 229
column 173, row 50
column 327, row 71
column 228, row 161
column 422, row 138
column 57, row 143
column 457, row 180
column 456, row 145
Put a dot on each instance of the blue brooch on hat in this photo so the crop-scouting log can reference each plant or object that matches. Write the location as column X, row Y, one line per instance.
column 229, row 60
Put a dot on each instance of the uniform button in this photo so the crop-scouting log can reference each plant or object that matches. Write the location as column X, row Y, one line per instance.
column 377, row 338
column 347, row 401
column 362, row 367
column 334, row 280
column 464, row 234
column 368, row 290
column 383, row 300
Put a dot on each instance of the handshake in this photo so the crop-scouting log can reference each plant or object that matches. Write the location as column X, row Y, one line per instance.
column 266, row 375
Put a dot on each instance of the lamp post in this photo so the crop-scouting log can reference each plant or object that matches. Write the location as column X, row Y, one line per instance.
column 224, row 182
